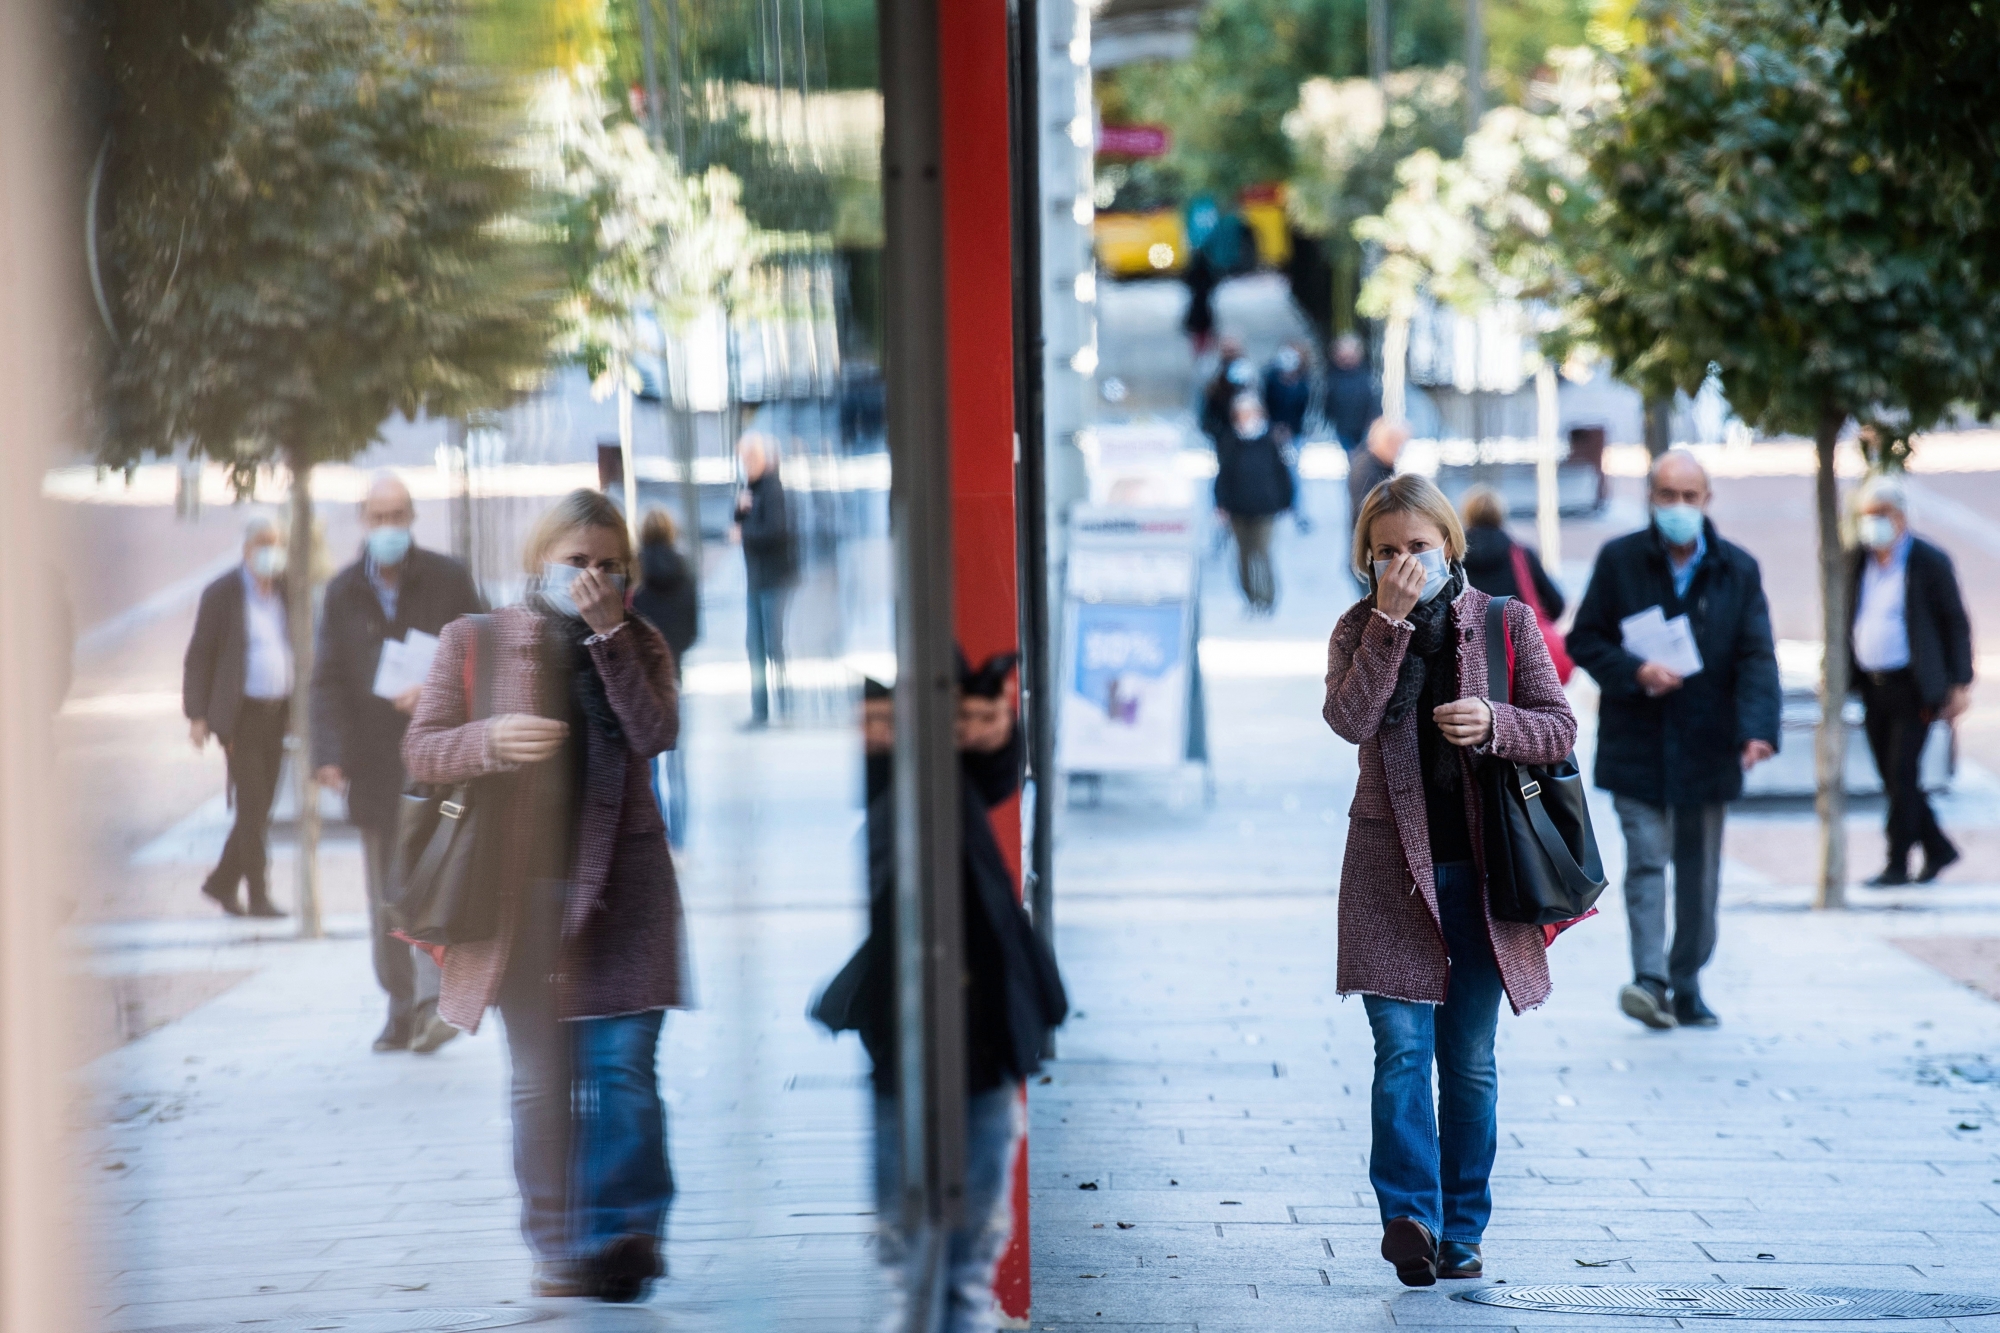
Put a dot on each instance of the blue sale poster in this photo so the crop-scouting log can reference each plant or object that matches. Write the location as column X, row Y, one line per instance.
column 1127, row 687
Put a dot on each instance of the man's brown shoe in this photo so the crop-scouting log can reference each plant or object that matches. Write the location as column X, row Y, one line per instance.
column 1459, row 1259
column 1407, row 1244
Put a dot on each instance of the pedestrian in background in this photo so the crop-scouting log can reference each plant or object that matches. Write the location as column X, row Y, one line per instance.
column 1288, row 398
column 1198, row 321
column 1370, row 467
column 1013, row 992
column 236, row 685
column 1671, row 749
column 1233, row 374
column 590, row 951
column 667, row 598
column 1406, row 681
column 770, row 562
column 1353, row 398
column 1499, row 566
column 1912, row 646
column 1252, row 487
column 391, row 589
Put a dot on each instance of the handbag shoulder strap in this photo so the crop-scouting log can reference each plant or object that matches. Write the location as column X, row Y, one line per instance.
column 1524, row 579
column 1499, row 665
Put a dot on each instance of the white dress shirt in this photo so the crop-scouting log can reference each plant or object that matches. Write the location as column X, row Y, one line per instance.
column 1881, row 635
column 267, row 664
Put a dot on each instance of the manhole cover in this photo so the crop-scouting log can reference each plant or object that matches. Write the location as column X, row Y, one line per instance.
column 1720, row 1302
column 369, row 1321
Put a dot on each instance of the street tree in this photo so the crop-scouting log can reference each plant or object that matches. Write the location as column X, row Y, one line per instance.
column 358, row 246
column 1747, row 224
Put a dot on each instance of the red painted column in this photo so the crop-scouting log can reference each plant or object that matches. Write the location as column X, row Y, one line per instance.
column 979, row 304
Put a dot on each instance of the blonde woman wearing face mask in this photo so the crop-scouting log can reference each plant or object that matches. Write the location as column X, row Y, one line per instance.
column 590, row 951
column 1406, row 681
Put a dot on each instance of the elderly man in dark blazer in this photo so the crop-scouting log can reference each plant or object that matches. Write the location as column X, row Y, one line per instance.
column 236, row 686
column 1912, row 653
column 394, row 587
column 1671, row 749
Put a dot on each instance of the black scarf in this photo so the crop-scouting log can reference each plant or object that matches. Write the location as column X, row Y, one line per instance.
column 1428, row 670
column 588, row 701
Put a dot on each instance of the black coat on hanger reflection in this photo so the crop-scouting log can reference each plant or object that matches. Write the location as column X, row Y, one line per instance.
column 1013, row 995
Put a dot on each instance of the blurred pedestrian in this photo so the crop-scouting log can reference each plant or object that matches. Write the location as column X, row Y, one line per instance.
column 1353, row 398
column 1406, row 681
column 1252, row 487
column 770, row 560
column 236, row 685
column 666, row 597
column 591, row 950
column 1233, row 374
column 1672, row 749
column 1912, row 646
column 1013, row 992
column 1199, row 320
column 1288, row 397
column 1499, row 566
column 1370, row 467
column 395, row 587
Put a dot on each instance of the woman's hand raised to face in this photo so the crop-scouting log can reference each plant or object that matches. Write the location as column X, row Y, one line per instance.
column 1399, row 587
column 1465, row 721
column 523, row 738
column 598, row 600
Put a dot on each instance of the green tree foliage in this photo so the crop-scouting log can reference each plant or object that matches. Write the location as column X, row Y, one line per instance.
column 1350, row 136
column 356, row 247
column 1749, row 222
column 1226, row 104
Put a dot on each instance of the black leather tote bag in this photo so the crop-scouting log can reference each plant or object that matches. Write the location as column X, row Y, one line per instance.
column 443, row 889
column 1542, row 866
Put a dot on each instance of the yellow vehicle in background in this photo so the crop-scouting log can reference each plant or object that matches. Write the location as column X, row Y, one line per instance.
column 1154, row 242
column 1140, row 245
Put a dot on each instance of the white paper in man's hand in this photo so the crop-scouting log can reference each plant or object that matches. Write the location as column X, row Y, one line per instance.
column 1651, row 637
column 404, row 665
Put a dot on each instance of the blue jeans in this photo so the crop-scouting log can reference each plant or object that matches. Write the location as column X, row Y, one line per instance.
column 764, row 638
column 992, row 1129
column 1437, row 1166
column 590, row 1130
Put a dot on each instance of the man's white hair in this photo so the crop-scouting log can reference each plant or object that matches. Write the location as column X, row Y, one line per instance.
column 262, row 525
column 1885, row 488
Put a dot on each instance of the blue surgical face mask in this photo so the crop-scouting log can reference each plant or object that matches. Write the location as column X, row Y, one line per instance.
column 555, row 583
column 267, row 562
column 1437, row 572
column 1679, row 524
column 1876, row 531
column 388, row 546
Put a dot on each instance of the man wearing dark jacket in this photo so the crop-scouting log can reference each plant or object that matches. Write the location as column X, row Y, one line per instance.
column 771, row 564
column 1672, row 749
column 1353, row 399
column 236, row 685
column 1912, row 653
column 393, row 588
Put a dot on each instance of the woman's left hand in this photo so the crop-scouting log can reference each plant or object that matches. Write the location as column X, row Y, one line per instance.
column 598, row 601
column 1465, row 722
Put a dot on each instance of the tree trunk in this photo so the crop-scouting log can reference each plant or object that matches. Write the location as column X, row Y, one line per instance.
column 1830, row 745
column 1396, row 367
column 1548, row 493
column 299, row 617
column 1659, row 424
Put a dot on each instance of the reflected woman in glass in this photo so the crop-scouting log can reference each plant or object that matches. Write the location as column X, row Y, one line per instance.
column 590, row 951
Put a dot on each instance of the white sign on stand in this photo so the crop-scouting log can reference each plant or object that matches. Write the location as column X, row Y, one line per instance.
column 1130, row 679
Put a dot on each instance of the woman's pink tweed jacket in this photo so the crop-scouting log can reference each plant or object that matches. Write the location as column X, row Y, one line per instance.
column 1390, row 941
column 623, row 948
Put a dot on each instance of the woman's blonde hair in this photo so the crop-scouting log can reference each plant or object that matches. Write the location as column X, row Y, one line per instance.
column 658, row 529
column 1407, row 494
column 581, row 508
column 1483, row 508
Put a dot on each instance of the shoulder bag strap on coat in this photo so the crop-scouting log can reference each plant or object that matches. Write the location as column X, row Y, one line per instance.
column 1499, row 682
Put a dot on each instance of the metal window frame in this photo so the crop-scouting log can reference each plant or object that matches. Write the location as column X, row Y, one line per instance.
column 930, row 931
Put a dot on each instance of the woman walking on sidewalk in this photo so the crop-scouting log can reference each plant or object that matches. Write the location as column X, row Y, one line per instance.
column 1406, row 681
column 589, row 952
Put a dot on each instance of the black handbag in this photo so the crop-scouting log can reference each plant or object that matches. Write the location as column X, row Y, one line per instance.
column 1542, row 866
column 442, row 887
